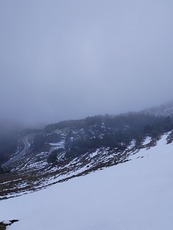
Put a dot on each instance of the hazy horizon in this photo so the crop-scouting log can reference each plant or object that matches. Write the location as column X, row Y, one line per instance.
column 64, row 60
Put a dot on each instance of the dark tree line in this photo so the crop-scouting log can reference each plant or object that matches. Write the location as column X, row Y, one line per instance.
column 8, row 145
column 116, row 132
column 91, row 133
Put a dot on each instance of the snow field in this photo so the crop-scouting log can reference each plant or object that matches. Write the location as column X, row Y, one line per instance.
column 136, row 195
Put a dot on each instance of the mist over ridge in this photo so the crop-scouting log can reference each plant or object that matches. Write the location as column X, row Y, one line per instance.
column 69, row 60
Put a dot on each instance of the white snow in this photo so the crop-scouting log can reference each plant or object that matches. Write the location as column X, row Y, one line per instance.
column 136, row 195
column 6, row 222
column 94, row 153
column 58, row 144
column 147, row 140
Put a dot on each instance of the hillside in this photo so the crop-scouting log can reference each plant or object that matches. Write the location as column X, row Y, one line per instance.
column 133, row 195
column 74, row 148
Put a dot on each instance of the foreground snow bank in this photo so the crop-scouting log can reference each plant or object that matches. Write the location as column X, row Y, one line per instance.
column 130, row 196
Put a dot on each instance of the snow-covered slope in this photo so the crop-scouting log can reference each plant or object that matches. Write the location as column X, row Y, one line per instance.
column 130, row 196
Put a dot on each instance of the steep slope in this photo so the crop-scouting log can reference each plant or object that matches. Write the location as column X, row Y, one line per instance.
column 133, row 195
column 74, row 148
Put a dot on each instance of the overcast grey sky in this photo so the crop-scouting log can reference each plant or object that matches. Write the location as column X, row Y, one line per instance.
column 62, row 59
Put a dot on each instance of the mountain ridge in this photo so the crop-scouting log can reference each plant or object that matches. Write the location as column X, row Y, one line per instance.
column 68, row 149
